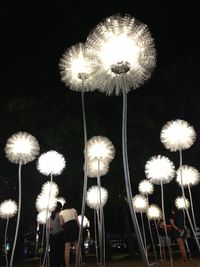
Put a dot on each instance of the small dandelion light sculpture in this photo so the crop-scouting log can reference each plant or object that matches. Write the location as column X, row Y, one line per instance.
column 50, row 188
column 44, row 202
column 160, row 170
column 182, row 203
column 42, row 217
column 20, row 149
column 96, row 198
column 8, row 209
column 78, row 70
column 190, row 177
column 146, row 187
column 127, row 55
column 97, row 168
column 178, row 135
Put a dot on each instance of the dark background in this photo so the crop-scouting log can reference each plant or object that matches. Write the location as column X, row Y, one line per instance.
column 33, row 99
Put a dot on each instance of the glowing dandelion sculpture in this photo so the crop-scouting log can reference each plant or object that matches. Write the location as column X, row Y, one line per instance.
column 190, row 177
column 182, row 203
column 78, row 69
column 97, row 168
column 50, row 164
column 146, row 188
column 8, row 209
column 178, row 135
column 154, row 213
column 160, row 170
column 51, row 188
column 126, row 54
column 20, row 149
column 96, row 198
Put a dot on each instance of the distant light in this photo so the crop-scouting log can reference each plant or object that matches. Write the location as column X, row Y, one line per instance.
column 61, row 200
column 22, row 148
column 177, row 135
column 96, row 198
column 97, row 167
column 8, row 209
column 100, row 148
column 86, row 222
column 51, row 162
column 43, row 202
column 78, row 68
column 190, row 176
column 159, row 169
column 123, row 45
column 140, row 203
column 145, row 187
column 154, row 212
column 50, row 186
column 43, row 216
column 182, row 203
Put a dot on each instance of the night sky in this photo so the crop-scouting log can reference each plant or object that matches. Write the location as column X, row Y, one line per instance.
column 33, row 98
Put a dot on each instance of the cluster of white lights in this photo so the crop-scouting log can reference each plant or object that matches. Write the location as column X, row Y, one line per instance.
column 154, row 212
column 140, row 203
column 182, row 203
column 8, row 209
column 177, row 135
column 187, row 176
column 96, row 198
column 159, row 169
column 51, row 163
column 145, row 187
column 22, row 148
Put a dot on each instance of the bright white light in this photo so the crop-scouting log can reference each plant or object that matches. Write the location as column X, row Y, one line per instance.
column 96, row 198
column 50, row 188
column 8, row 209
column 145, row 187
column 123, row 45
column 97, row 167
column 182, row 203
column 177, row 135
column 43, row 216
column 78, row 68
column 159, row 169
column 86, row 222
column 44, row 202
column 22, row 148
column 51, row 162
column 140, row 203
column 61, row 200
column 190, row 176
column 100, row 148
column 154, row 212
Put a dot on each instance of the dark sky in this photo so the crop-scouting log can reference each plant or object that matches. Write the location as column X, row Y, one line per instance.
column 33, row 39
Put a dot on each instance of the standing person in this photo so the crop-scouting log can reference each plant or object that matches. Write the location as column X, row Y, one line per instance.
column 179, row 231
column 56, row 240
column 163, row 239
column 69, row 221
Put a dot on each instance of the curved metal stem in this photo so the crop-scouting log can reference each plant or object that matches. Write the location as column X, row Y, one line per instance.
column 85, row 180
column 158, row 239
column 18, row 214
column 186, row 208
column 127, row 177
column 192, row 208
column 144, row 235
column 5, row 240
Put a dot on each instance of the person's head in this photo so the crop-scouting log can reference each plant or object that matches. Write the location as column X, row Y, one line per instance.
column 66, row 206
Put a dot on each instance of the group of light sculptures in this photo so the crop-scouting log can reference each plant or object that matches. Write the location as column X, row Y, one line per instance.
column 119, row 55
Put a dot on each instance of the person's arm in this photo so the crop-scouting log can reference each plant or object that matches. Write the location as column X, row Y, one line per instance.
column 173, row 225
column 76, row 217
column 61, row 219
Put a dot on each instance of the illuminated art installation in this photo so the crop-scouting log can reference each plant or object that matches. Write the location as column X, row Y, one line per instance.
column 20, row 149
column 178, row 135
column 78, row 69
column 100, row 152
column 160, row 170
column 51, row 188
column 8, row 209
column 50, row 164
column 182, row 203
column 126, row 54
column 146, row 188
column 190, row 177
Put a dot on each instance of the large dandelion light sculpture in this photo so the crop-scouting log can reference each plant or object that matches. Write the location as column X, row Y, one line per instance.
column 20, row 149
column 160, row 170
column 8, row 209
column 96, row 198
column 189, row 176
column 182, row 203
column 126, row 52
column 44, row 202
column 178, row 135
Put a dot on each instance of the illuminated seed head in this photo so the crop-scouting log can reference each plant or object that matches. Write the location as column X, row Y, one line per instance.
column 8, row 209
column 140, row 203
